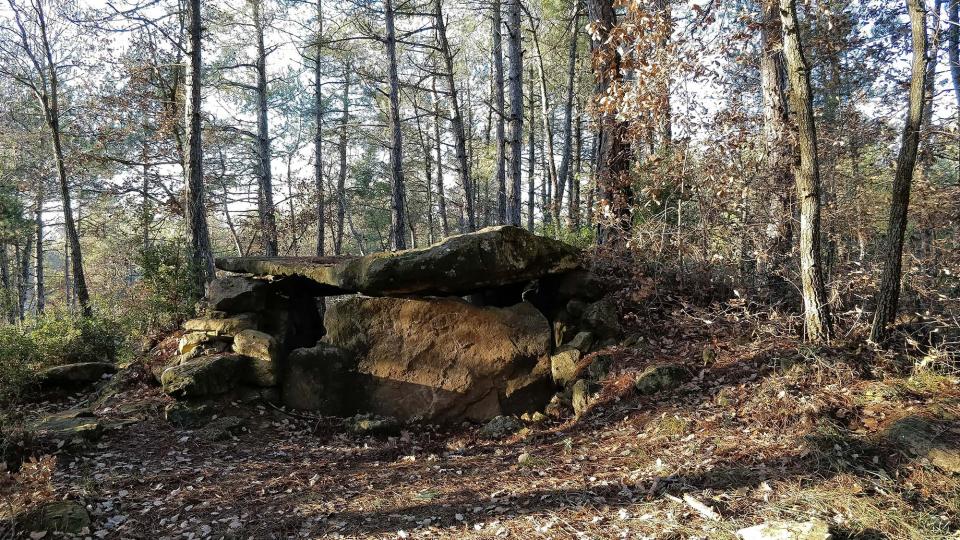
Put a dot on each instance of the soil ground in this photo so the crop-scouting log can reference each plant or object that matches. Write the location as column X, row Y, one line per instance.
column 767, row 428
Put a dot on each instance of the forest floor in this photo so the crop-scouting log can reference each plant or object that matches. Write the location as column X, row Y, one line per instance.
column 767, row 428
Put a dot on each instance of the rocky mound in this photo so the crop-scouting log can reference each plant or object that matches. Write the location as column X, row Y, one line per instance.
column 436, row 356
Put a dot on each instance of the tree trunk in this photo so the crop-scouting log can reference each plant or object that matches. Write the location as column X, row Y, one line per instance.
column 441, row 194
column 516, row 112
column 556, row 191
column 613, row 151
column 807, row 177
column 23, row 282
column 573, row 210
column 397, row 187
column 318, row 134
column 6, row 284
column 563, row 176
column 456, row 121
column 201, row 257
column 780, row 151
column 268, row 223
column 531, row 160
column 889, row 292
column 953, row 41
column 40, row 294
column 498, row 113
column 342, row 177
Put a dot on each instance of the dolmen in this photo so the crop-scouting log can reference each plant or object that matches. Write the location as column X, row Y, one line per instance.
column 476, row 326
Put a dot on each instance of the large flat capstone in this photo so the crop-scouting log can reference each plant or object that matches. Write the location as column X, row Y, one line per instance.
column 459, row 265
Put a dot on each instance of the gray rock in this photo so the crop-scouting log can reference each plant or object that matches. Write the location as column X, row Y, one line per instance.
column 371, row 424
column 602, row 319
column 501, row 426
column 219, row 429
column 68, row 517
column 78, row 374
column 237, row 294
column 583, row 341
column 935, row 440
column 319, row 378
column 456, row 266
column 185, row 414
column 229, row 326
column 205, row 376
column 264, row 354
column 75, row 426
column 563, row 366
column 787, row 530
column 660, row 379
column 580, row 396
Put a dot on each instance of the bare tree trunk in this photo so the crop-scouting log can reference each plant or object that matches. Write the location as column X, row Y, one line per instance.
column 807, row 177
column 456, row 121
column 498, row 113
column 889, row 292
column 780, row 151
column 953, row 41
column 201, row 258
column 23, row 282
column 516, row 112
column 441, row 194
column 573, row 210
column 268, row 223
column 566, row 154
column 342, row 177
column 397, row 186
column 318, row 134
column 531, row 159
column 7, row 285
column 556, row 191
column 613, row 151
column 40, row 293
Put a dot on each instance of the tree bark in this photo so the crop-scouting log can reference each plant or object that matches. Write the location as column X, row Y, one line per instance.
column 200, row 255
column 563, row 176
column 498, row 113
column 953, row 41
column 612, row 173
column 456, row 121
column 807, row 177
column 268, row 223
column 342, row 177
column 531, row 159
column 441, row 194
column 516, row 112
column 780, row 151
column 397, row 186
column 318, row 134
column 889, row 292
column 573, row 209
column 40, row 294
column 556, row 192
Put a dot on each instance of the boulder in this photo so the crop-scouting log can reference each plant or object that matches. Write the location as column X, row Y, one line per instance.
column 660, row 379
column 601, row 317
column 787, row 530
column 580, row 396
column 371, row 424
column 935, row 440
column 201, row 341
column 226, row 326
column 162, row 355
column 442, row 359
column 237, row 294
column 263, row 351
column 582, row 342
column 68, row 517
column 75, row 426
column 204, row 376
column 563, row 366
column 501, row 426
column 319, row 379
column 71, row 375
column 458, row 265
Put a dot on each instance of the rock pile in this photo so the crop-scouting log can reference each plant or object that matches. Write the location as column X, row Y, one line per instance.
column 474, row 327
